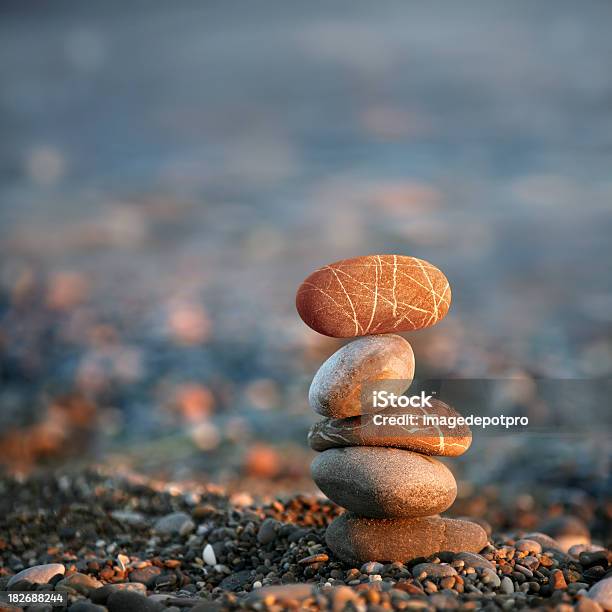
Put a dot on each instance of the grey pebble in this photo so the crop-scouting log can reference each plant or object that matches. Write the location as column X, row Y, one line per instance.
column 474, row 560
column 507, row 586
column 490, row 577
column 81, row 583
column 236, row 581
column 175, row 523
column 372, row 567
column 267, row 531
column 434, row 570
column 38, row 574
column 523, row 570
column 127, row 517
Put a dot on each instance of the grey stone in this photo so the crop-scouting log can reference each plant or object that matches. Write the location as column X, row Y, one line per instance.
column 434, row 570
column 38, row 574
column 488, row 576
column 372, row 567
column 81, row 583
column 267, row 531
column 178, row 523
column 474, row 560
column 236, row 581
column 381, row 482
column 338, row 386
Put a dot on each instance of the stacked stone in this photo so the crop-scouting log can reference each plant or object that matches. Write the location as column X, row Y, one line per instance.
column 385, row 476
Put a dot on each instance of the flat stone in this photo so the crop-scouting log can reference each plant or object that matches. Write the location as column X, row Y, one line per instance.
column 384, row 482
column 434, row 570
column 376, row 294
column 357, row 540
column 343, row 385
column 38, row 574
column 474, row 560
column 365, row 430
column 81, row 583
column 601, row 592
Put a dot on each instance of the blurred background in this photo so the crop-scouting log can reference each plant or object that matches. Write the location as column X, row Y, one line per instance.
column 169, row 173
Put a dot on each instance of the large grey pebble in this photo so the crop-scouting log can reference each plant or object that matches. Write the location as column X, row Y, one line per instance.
column 176, row 523
column 343, row 384
column 359, row 539
column 474, row 560
column 381, row 482
column 38, row 574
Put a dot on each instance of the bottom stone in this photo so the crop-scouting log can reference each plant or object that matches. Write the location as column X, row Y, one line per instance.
column 358, row 539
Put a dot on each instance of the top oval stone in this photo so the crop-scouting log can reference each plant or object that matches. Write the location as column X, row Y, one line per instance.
column 375, row 294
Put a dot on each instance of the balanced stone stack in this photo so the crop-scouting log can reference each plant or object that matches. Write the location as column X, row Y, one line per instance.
column 383, row 474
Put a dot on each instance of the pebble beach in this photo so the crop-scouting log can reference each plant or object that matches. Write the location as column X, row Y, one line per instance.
column 124, row 543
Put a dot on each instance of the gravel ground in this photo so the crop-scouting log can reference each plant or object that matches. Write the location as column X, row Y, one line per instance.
column 188, row 547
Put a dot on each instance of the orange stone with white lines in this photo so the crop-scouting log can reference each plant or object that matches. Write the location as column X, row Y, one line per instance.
column 375, row 294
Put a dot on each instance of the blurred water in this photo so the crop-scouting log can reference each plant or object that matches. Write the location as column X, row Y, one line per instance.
column 170, row 173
